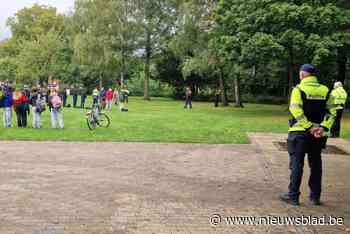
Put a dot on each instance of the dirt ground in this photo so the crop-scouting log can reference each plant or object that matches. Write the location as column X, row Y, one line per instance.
column 59, row 187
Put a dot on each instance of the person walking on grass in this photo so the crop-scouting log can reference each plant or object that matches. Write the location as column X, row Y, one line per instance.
column 21, row 107
column 109, row 99
column 55, row 103
column 312, row 117
column 339, row 96
column 188, row 96
column 7, row 103
column 38, row 103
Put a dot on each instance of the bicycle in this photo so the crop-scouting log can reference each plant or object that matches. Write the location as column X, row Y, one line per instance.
column 94, row 118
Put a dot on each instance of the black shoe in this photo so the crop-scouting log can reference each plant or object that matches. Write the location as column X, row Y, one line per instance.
column 287, row 199
column 316, row 202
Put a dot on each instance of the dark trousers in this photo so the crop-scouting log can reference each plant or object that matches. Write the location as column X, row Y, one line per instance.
column 335, row 130
column 95, row 100
column 64, row 101
column 75, row 100
column 82, row 101
column 217, row 100
column 188, row 102
column 21, row 117
column 299, row 144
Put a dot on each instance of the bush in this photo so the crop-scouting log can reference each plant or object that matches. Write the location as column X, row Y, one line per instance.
column 264, row 99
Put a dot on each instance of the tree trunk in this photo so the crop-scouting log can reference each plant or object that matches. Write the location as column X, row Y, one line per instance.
column 238, row 93
column 101, row 81
column 342, row 61
column 223, row 89
column 121, row 78
column 122, row 71
column 147, row 65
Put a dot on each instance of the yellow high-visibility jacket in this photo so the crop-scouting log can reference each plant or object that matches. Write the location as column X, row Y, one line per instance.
column 311, row 106
column 339, row 97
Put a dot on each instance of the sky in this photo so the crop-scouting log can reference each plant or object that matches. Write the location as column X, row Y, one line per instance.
column 8, row 8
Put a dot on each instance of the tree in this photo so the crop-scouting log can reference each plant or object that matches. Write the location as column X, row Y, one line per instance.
column 282, row 34
column 105, row 37
column 41, row 58
column 191, row 45
column 29, row 23
column 156, row 20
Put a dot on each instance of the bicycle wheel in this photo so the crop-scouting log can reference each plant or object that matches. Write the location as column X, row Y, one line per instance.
column 91, row 123
column 103, row 121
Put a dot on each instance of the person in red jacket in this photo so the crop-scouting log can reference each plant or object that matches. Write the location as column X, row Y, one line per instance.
column 109, row 99
column 21, row 107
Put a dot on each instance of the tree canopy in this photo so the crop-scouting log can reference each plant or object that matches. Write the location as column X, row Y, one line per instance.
column 242, row 48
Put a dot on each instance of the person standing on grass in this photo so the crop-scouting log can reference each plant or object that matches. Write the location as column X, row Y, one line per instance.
column 103, row 98
column 75, row 96
column 122, row 94
column 68, row 92
column 125, row 93
column 21, row 107
column 63, row 94
column 7, row 103
column 339, row 96
column 83, row 94
column 36, row 100
column 217, row 97
column 55, row 103
column 7, row 106
column 312, row 117
column 188, row 96
column 95, row 96
column 109, row 99
column 116, row 96
column 38, row 103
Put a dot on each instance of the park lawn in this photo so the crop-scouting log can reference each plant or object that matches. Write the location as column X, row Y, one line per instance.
column 165, row 120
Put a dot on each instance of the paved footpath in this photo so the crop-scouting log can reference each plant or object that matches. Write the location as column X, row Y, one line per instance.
column 56, row 187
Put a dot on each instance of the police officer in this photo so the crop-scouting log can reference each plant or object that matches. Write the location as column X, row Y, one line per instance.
column 313, row 117
column 339, row 97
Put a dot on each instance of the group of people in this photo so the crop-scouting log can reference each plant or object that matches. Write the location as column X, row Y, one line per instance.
column 35, row 101
column 107, row 98
column 24, row 101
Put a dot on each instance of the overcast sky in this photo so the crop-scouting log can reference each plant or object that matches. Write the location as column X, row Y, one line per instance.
column 10, row 7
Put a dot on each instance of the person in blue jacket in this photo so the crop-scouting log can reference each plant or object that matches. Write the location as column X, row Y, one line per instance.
column 7, row 103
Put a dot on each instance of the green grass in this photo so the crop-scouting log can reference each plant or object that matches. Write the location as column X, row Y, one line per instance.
column 164, row 120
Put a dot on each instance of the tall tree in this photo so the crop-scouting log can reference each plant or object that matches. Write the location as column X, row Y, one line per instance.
column 299, row 31
column 156, row 19
column 29, row 23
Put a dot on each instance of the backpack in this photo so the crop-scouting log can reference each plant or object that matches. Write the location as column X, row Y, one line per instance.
column 40, row 105
column 56, row 102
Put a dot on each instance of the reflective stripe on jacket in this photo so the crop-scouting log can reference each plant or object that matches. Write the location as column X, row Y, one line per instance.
column 311, row 106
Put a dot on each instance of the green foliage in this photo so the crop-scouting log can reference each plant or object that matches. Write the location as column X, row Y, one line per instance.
column 38, row 48
column 206, row 44
column 265, row 34
column 40, row 58
column 35, row 21
column 8, row 67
